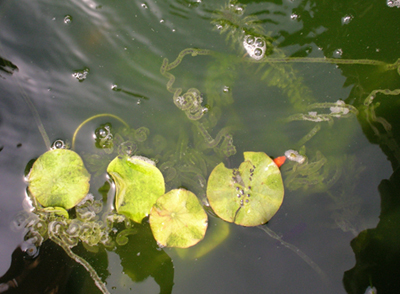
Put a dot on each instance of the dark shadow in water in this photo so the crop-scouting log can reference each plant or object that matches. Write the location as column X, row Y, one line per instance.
column 51, row 271
column 142, row 257
column 377, row 250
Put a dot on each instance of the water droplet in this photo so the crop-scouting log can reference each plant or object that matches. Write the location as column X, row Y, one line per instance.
column 173, row 30
column 226, row 89
column 161, row 20
column 138, row 102
column 68, row 19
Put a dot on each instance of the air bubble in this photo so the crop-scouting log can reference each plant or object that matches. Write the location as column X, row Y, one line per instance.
column 102, row 133
column 30, row 249
column 346, row 19
column 338, row 53
column 226, row 89
column 258, row 52
column 239, row 10
column 250, row 40
column 144, row 5
column 294, row 16
column 68, row 19
column 58, row 144
column 259, row 42
column 162, row 21
column 81, row 75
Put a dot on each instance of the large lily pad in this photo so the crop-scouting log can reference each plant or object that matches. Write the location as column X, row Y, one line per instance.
column 178, row 220
column 138, row 183
column 59, row 178
column 249, row 195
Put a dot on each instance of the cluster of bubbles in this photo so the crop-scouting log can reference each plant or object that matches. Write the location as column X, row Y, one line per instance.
column 337, row 109
column 87, row 227
column 81, row 75
column 255, row 46
column 243, row 193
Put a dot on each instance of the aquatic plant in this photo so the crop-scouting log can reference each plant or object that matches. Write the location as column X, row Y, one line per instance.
column 249, row 195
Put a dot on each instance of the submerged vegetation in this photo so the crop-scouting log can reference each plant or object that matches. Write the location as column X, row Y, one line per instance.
column 143, row 166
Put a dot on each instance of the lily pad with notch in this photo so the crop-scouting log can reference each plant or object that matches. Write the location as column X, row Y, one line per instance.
column 249, row 195
column 139, row 183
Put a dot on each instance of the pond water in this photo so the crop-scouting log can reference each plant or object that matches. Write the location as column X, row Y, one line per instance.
column 63, row 62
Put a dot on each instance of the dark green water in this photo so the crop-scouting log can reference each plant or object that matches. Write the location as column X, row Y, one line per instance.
column 350, row 224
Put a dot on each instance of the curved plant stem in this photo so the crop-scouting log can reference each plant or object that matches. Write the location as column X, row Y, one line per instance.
column 82, row 262
column 94, row 117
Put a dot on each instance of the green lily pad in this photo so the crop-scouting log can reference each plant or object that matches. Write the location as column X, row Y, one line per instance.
column 139, row 183
column 59, row 178
column 248, row 196
column 178, row 220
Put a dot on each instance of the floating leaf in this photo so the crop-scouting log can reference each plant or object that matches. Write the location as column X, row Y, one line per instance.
column 248, row 196
column 138, row 183
column 178, row 220
column 59, row 178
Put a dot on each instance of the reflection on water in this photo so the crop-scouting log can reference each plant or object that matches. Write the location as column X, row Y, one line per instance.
column 47, row 50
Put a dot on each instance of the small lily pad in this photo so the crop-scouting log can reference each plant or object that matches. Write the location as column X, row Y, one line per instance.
column 139, row 183
column 249, row 195
column 178, row 220
column 59, row 178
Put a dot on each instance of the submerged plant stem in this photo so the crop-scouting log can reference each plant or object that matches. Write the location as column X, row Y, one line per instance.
column 81, row 261
column 94, row 117
column 328, row 60
column 38, row 121
column 296, row 250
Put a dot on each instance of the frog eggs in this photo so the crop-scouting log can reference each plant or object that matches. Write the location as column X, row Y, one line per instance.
column 255, row 46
